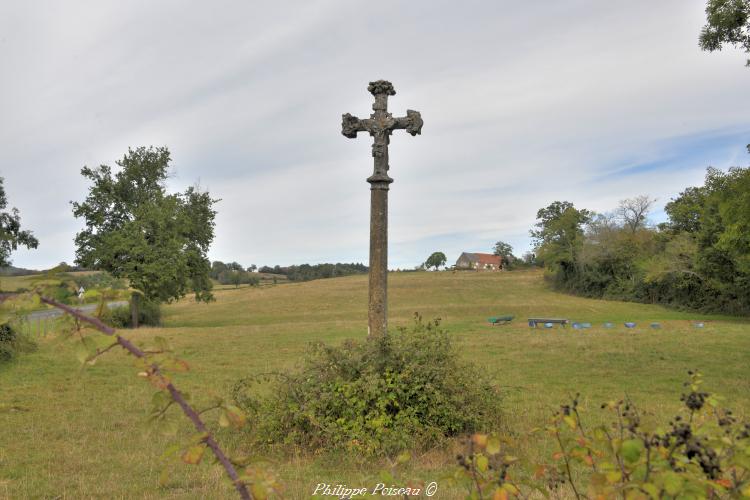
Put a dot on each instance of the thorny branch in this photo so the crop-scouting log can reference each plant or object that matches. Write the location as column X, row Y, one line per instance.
column 173, row 391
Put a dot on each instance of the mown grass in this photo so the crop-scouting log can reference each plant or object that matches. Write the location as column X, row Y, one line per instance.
column 72, row 433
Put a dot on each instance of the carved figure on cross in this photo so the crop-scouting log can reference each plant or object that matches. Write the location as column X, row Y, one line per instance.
column 380, row 125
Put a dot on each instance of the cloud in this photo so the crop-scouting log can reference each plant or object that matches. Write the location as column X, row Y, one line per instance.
column 523, row 105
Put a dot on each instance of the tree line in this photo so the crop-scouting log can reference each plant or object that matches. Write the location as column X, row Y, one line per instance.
column 307, row 272
column 699, row 259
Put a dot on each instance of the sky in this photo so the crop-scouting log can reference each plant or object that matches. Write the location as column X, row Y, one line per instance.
column 523, row 103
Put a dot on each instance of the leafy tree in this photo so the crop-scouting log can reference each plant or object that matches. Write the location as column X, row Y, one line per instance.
column 11, row 235
column 505, row 251
column 252, row 268
column 685, row 211
column 727, row 22
column 559, row 234
column 217, row 267
column 136, row 230
column 235, row 266
column 435, row 260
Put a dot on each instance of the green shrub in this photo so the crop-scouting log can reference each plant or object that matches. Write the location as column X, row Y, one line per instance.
column 149, row 313
column 405, row 390
column 12, row 343
column 62, row 293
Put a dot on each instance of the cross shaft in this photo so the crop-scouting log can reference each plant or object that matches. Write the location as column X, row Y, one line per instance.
column 380, row 125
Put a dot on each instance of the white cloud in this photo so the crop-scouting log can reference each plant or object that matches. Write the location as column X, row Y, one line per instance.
column 523, row 104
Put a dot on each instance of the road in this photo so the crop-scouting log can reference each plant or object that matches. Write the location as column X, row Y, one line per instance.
column 86, row 308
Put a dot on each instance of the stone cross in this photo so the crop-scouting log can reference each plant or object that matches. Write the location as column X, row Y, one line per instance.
column 380, row 125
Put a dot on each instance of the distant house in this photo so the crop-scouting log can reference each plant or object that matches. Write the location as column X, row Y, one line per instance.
column 480, row 262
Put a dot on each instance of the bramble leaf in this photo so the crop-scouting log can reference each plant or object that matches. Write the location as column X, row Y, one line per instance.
column 493, row 445
column 672, row 483
column 193, row 454
column 631, row 450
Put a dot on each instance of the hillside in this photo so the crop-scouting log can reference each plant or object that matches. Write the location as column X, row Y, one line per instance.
column 79, row 434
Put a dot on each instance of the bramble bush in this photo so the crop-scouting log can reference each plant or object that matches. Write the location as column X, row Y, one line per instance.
column 703, row 452
column 408, row 389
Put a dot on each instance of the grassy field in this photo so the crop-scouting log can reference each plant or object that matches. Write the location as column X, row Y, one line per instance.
column 72, row 433
column 30, row 281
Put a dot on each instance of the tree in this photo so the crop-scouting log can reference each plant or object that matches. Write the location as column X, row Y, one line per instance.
column 252, row 268
column 11, row 235
column 435, row 260
column 727, row 22
column 559, row 236
column 505, row 251
column 217, row 267
column 633, row 211
column 136, row 230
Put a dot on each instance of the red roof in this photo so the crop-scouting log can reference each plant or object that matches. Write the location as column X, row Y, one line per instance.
column 488, row 258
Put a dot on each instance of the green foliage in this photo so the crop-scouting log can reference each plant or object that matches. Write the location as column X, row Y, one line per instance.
column 13, row 343
column 435, row 260
column 237, row 278
column 407, row 389
column 699, row 260
column 136, row 230
column 149, row 313
column 559, row 235
column 727, row 22
column 504, row 250
column 510, row 261
column 63, row 293
column 307, row 272
column 703, row 452
column 100, row 281
column 11, row 235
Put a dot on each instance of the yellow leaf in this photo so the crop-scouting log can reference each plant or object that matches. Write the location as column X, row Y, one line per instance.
column 259, row 492
column 235, row 415
column 570, row 421
column 223, row 419
column 493, row 446
column 482, row 463
column 500, row 494
column 479, row 440
column 614, row 476
column 511, row 488
column 193, row 454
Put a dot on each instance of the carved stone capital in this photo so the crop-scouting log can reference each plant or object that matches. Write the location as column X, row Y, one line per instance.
column 381, row 87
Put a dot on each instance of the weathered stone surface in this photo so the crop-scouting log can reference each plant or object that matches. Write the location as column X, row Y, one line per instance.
column 380, row 125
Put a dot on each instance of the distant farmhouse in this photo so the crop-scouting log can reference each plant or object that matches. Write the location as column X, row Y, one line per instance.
column 480, row 262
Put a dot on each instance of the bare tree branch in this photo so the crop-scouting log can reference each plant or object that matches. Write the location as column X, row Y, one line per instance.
column 633, row 211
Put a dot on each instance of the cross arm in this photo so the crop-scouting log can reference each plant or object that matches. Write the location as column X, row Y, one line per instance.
column 412, row 122
column 350, row 125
